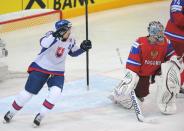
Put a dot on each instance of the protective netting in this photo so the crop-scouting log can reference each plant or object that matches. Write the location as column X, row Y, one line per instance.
column 29, row 18
column 22, row 20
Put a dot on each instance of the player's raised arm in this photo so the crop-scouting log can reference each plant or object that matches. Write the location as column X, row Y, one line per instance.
column 76, row 50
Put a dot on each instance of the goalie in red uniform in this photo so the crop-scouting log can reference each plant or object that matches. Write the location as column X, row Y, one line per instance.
column 147, row 58
column 175, row 30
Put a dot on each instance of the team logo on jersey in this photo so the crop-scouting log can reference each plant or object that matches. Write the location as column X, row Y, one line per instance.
column 154, row 54
column 59, row 51
column 152, row 62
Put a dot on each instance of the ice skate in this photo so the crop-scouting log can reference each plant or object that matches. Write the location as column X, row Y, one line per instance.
column 8, row 116
column 37, row 120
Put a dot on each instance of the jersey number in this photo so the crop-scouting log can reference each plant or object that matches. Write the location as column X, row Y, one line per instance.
column 177, row 2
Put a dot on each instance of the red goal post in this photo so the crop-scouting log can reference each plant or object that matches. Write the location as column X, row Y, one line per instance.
column 30, row 20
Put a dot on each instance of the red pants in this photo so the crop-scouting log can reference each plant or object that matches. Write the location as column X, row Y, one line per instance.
column 142, row 88
column 179, row 48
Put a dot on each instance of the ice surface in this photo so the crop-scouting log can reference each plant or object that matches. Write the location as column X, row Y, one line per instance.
column 78, row 109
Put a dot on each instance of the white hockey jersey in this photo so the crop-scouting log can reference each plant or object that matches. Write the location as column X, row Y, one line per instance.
column 51, row 59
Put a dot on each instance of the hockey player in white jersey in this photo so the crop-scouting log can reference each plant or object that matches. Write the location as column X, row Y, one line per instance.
column 48, row 67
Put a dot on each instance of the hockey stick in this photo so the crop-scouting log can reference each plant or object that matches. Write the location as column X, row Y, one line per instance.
column 87, row 52
column 136, row 106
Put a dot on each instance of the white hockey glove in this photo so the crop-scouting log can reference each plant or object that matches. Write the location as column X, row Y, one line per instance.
column 121, row 93
column 128, row 83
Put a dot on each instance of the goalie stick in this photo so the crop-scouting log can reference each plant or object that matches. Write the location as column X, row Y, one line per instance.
column 136, row 106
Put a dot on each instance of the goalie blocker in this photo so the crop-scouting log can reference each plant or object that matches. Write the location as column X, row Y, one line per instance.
column 168, row 85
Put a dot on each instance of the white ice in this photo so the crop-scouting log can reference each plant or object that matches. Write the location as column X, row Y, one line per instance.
column 78, row 109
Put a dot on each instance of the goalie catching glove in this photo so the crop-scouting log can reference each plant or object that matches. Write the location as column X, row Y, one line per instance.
column 128, row 83
column 121, row 93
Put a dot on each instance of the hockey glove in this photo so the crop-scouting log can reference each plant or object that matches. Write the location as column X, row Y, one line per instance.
column 56, row 34
column 86, row 45
column 60, row 32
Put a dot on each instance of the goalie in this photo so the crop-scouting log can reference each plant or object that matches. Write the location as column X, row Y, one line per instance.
column 151, row 56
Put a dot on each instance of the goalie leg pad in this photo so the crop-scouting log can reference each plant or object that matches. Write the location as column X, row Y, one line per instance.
column 168, row 85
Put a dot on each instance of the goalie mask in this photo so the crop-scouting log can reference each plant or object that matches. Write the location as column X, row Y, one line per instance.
column 156, row 30
column 62, row 27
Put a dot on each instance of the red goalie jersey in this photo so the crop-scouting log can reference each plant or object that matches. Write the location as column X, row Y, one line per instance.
column 146, row 58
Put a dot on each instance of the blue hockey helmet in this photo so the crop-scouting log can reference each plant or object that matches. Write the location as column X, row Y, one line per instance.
column 64, row 25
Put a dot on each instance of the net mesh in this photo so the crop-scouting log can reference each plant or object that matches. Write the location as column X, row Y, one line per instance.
column 22, row 20
column 27, row 19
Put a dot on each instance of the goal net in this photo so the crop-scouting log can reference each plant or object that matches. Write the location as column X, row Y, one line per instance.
column 13, row 22
column 27, row 18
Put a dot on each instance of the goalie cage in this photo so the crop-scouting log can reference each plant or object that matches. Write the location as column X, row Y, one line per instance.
column 24, row 19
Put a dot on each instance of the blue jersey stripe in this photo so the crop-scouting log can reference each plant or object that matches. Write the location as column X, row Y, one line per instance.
column 76, row 53
column 174, row 35
column 133, row 62
column 134, row 50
